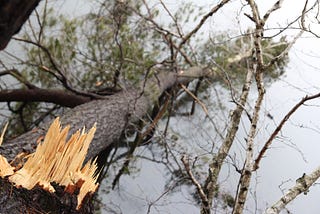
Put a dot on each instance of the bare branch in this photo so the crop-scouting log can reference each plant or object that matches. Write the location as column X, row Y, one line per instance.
column 279, row 127
column 196, row 99
column 285, row 52
column 283, row 121
column 275, row 7
column 202, row 21
column 61, row 77
column 59, row 97
column 302, row 186
column 18, row 76
column 246, row 173
column 173, row 18
column 201, row 192
column 258, row 69
column 149, row 18
column 258, row 34
column 218, row 159
column 303, row 29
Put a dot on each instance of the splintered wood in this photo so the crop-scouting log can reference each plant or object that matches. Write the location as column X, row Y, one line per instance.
column 5, row 168
column 56, row 160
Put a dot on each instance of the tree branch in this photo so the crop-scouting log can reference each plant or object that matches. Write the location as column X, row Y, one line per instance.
column 200, row 191
column 303, row 29
column 275, row 7
column 279, row 127
column 60, row 76
column 258, row 69
column 18, row 76
column 306, row 98
column 202, row 21
column 59, row 97
column 210, row 185
column 13, row 16
column 112, row 114
column 302, row 186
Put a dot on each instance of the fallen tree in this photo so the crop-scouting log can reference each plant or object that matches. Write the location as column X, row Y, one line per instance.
column 112, row 115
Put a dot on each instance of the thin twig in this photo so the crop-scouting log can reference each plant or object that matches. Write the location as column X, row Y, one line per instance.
column 196, row 99
column 200, row 190
column 18, row 76
column 279, row 127
column 61, row 77
column 173, row 18
column 202, row 21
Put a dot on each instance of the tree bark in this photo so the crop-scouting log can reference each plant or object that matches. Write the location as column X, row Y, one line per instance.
column 59, row 97
column 112, row 116
column 13, row 14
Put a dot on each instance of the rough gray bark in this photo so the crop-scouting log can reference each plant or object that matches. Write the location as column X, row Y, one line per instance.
column 13, row 14
column 112, row 116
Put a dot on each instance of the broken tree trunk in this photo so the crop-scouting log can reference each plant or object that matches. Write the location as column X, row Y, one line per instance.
column 55, row 161
column 112, row 115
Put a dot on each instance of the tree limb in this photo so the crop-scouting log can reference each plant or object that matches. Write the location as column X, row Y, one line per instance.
column 210, row 185
column 13, row 15
column 204, row 199
column 55, row 96
column 279, row 127
column 302, row 186
column 18, row 76
column 202, row 21
column 258, row 69
column 60, row 76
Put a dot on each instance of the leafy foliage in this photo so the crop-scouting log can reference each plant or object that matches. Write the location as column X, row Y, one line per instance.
column 232, row 55
column 99, row 52
column 100, row 48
